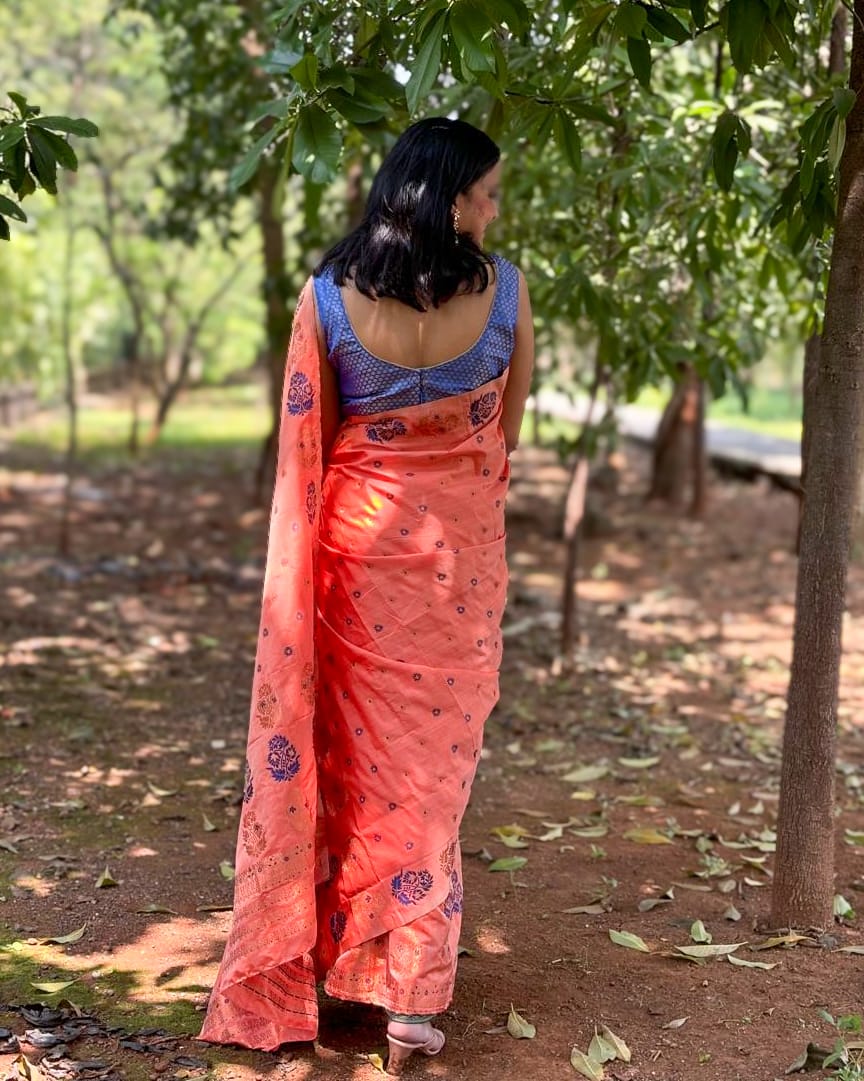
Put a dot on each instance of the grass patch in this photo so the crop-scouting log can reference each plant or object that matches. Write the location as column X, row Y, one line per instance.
column 103, row 991
column 203, row 421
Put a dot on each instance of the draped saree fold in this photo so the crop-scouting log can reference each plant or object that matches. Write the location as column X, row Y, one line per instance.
column 376, row 669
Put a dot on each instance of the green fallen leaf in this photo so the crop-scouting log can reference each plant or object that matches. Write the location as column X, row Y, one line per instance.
column 226, row 869
column 732, row 913
column 854, row 837
column 518, row 1027
column 514, row 842
column 160, row 792
column 646, row 837
column 779, row 940
column 586, row 1066
column 209, row 827
column 585, row 774
column 586, row 910
column 508, row 863
column 514, row 831
column 639, row 763
column 647, row 903
column 154, row 909
column 63, row 940
column 599, row 1050
column 706, row 953
column 628, row 939
column 644, row 800
column 842, row 908
column 377, row 1061
column 546, row 745
column 740, row 961
column 51, row 987
column 105, row 880
column 621, row 1049
column 699, row 933
column 590, row 831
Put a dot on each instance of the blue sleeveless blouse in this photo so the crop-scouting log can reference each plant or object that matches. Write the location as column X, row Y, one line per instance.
column 368, row 384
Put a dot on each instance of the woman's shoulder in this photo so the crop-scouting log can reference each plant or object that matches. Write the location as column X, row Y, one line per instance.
column 505, row 269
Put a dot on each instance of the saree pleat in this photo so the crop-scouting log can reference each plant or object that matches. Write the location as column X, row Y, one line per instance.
column 377, row 667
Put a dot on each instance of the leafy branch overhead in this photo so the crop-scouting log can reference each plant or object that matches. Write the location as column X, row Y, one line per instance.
column 32, row 147
column 547, row 70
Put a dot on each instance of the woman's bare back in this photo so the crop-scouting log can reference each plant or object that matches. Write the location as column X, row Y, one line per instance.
column 397, row 334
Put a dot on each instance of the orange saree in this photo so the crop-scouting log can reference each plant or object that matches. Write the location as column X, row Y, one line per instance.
column 377, row 666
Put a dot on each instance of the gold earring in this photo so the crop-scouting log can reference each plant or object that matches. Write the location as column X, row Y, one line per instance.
column 456, row 216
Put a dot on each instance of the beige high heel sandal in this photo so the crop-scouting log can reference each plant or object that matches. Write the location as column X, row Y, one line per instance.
column 401, row 1049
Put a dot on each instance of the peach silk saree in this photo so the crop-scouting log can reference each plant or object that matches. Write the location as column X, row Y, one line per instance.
column 376, row 668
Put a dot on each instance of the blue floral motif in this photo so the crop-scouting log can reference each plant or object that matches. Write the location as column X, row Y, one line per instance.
column 283, row 761
column 453, row 900
column 410, row 887
column 248, row 786
column 482, row 408
column 338, row 922
column 311, row 501
column 382, row 431
column 300, row 394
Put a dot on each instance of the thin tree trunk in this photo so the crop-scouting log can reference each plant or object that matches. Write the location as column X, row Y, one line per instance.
column 278, row 316
column 135, row 295
column 803, row 889
column 175, row 384
column 837, row 48
column 699, row 459
column 133, row 443
column 71, row 391
column 574, row 515
column 675, row 452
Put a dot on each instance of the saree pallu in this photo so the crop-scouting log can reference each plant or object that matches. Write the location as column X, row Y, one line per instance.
column 376, row 669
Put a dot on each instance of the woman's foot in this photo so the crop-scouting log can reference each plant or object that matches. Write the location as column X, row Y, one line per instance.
column 404, row 1038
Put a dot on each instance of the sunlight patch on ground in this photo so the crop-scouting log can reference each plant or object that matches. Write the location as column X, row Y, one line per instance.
column 171, row 959
column 605, row 590
column 490, row 940
column 295, row 1071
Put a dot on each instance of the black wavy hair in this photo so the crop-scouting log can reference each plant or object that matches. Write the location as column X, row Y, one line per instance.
column 406, row 247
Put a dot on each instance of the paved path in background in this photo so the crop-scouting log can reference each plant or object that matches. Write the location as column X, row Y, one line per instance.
column 741, row 449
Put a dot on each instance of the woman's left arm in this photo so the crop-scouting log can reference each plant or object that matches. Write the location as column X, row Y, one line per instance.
column 521, row 366
column 331, row 408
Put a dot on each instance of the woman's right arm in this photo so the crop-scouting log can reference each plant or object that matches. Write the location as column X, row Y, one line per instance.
column 521, row 366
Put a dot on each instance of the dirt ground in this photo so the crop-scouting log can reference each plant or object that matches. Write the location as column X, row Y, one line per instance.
column 125, row 676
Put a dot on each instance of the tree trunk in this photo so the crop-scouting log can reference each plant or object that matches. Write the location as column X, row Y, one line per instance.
column 177, row 378
column 837, row 49
column 804, row 872
column 673, row 456
column 278, row 315
column 71, row 394
column 699, row 457
column 574, row 515
column 812, row 349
